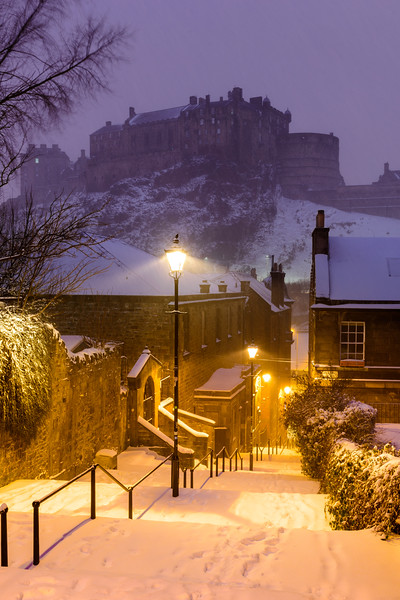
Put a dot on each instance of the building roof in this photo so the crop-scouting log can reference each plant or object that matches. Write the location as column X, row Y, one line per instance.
column 156, row 115
column 359, row 270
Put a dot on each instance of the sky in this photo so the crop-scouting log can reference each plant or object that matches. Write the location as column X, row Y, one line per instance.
column 334, row 64
column 241, row 536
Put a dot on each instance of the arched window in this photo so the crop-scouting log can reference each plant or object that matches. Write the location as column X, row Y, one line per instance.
column 148, row 401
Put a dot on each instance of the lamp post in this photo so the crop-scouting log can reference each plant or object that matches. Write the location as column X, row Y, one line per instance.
column 176, row 258
column 252, row 350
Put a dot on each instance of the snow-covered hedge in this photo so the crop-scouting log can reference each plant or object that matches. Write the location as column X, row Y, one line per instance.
column 319, row 415
column 363, row 487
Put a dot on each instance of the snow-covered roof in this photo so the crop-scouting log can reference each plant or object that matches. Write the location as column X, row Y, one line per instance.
column 156, row 115
column 223, row 380
column 233, row 280
column 359, row 269
column 127, row 271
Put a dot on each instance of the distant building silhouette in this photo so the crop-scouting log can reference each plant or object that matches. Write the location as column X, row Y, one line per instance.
column 47, row 171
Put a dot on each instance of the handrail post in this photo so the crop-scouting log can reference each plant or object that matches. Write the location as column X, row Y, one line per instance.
column 184, row 477
column 236, row 453
column 230, row 463
column 216, row 465
column 223, row 461
column 93, row 492
column 4, row 547
column 191, row 478
column 211, row 462
column 36, row 551
column 130, row 503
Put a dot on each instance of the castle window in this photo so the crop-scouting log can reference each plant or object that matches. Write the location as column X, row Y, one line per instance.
column 201, row 121
column 36, row 160
column 213, row 121
column 218, row 131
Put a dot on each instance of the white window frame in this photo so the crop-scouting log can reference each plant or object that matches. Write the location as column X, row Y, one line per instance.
column 352, row 343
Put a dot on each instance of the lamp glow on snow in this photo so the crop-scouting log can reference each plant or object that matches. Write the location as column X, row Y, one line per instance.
column 266, row 377
column 176, row 259
column 252, row 349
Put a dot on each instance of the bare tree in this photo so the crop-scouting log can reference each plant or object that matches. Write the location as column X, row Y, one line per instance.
column 47, row 252
column 48, row 63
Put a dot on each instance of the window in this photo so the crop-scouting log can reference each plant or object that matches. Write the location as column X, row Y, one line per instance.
column 352, row 343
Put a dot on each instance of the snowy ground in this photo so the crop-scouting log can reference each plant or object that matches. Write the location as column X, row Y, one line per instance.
column 245, row 535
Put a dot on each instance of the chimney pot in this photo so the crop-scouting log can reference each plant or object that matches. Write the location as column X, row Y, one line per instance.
column 320, row 218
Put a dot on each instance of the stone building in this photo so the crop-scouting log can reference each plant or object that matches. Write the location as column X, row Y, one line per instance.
column 132, row 302
column 245, row 132
column 47, row 171
column 355, row 316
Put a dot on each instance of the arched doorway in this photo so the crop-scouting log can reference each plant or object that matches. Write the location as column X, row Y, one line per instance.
column 148, row 402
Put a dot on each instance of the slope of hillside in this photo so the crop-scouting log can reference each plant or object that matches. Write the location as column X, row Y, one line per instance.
column 238, row 219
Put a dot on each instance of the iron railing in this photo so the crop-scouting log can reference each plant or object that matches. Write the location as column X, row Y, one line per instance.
column 92, row 470
column 201, row 461
column 235, row 454
column 4, row 542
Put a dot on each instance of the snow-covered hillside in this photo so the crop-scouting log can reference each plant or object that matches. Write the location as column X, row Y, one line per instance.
column 238, row 219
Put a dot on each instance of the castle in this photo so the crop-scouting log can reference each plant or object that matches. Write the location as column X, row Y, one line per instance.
column 248, row 133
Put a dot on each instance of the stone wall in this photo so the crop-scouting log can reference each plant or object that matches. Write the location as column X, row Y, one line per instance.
column 147, row 321
column 87, row 413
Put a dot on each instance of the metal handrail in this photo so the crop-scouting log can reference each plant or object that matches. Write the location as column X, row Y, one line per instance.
column 235, row 454
column 92, row 470
column 4, row 543
column 192, row 470
column 224, row 453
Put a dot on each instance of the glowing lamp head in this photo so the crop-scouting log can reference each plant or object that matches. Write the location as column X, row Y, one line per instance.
column 287, row 389
column 266, row 377
column 176, row 256
column 252, row 349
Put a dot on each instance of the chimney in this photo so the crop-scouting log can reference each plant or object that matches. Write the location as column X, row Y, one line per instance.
column 237, row 94
column 193, row 100
column 131, row 112
column 204, row 287
column 320, row 235
column 253, row 273
column 386, row 167
column 256, row 102
column 108, row 123
column 55, row 146
column 83, row 154
column 277, row 285
column 208, row 99
column 245, row 286
column 222, row 286
column 43, row 146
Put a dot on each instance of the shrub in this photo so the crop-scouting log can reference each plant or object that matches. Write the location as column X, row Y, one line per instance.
column 363, row 487
column 319, row 415
column 24, row 372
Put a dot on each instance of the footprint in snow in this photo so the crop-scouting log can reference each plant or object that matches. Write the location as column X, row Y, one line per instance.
column 255, row 538
column 197, row 555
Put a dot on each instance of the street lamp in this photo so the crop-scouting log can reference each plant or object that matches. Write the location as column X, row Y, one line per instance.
column 176, row 258
column 252, row 350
